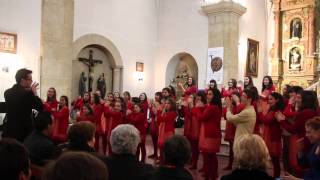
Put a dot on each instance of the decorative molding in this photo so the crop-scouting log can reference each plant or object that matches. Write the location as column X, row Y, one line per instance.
column 224, row 7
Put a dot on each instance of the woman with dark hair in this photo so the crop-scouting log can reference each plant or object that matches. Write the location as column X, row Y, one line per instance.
column 248, row 82
column 172, row 92
column 98, row 108
column 190, row 87
column 195, row 128
column 285, row 93
column 307, row 104
column 176, row 155
column 61, row 121
column 137, row 119
column 267, row 89
column 51, row 104
column 166, row 93
column 166, row 119
column 127, row 100
column 144, row 104
column 154, row 125
column 86, row 114
column 213, row 84
column 115, row 116
column 272, row 131
column 210, row 132
column 232, row 88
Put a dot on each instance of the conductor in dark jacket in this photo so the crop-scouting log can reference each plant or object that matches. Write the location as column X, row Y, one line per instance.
column 20, row 100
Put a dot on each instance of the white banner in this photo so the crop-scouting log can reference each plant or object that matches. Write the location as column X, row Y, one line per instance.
column 215, row 65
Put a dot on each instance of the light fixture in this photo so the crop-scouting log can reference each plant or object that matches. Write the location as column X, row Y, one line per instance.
column 139, row 71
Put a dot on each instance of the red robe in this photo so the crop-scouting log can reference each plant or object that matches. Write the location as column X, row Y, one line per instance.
column 210, row 131
column 264, row 98
column 166, row 126
column 50, row 106
column 271, row 132
column 113, row 120
column 129, row 105
column 137, row 120
column 145, row 106
column 191, row 90
column 195, row 123
column 84, row 117
column 97, row 112
column 60, row 125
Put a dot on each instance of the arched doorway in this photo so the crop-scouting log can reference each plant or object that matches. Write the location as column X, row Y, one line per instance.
column 103, row 50
column 180, row 67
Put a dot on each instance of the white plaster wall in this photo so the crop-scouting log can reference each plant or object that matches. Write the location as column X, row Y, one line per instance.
column 183, row 27
column 253, row 25
column 131, row 26
column 23, row 18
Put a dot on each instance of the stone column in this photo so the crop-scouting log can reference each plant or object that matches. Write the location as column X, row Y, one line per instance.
column 56, row 46
column 276, row 64
column 224, row 32
column 116, row 79
column 312, row 35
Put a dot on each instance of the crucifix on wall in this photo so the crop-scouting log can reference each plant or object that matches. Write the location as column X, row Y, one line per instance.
column 90, row 62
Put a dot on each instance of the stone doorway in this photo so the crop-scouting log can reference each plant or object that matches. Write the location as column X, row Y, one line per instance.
column 180, row 67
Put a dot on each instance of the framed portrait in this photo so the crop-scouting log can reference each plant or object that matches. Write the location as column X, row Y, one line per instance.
column 8, row 42
column 252, row 63
column 139, row 66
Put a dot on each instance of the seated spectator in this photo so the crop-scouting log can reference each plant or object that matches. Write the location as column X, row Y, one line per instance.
column 177, row 153
column 251, row 159
column 40, row 147
column 81, row 137
column 123, row 164
column 14, row 160
column 76, row 165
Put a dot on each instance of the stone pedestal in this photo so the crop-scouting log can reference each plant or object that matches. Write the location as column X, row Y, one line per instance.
column 56, row 43
column 224, row 32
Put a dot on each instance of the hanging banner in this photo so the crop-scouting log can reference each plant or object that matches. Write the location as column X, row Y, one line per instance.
column 215, row 65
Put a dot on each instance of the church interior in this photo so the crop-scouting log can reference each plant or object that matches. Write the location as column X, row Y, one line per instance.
column 141, row 46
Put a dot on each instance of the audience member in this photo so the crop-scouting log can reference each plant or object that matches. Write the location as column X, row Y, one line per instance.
column 250, row 163
column 77, row 166
column 40, row 147
column 123, row 164
column 177, row 153
column 14, row 160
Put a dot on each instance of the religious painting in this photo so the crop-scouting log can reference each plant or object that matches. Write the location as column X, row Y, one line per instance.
column 8, row 42
column 252, row 58
column 139, row 66
column 295, row 59
column 296, row 28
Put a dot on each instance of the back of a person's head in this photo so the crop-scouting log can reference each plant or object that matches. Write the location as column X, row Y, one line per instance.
column 125, row 139
column 251, row 152
column 177, row 151
column 77, row 166
column 14, row 160
column 80, row 133
column 42, row 121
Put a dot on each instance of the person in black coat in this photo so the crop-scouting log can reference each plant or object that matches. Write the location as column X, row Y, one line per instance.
column 39, row 144
column 251, row 159
column 177, row 153
column 123, row 163
column 20, row 100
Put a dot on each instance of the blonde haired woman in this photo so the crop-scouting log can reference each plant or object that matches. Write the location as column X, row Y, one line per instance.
column 251, row 159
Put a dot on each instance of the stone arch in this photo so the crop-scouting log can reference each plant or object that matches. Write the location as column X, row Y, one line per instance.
column 108, row 47
column 177, row 64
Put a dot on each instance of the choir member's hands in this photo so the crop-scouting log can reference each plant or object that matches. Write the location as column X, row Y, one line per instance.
column 184, row 103
column 236, row 99
column 78, row 114
column 280, row 116
column 34, row 88
column 292, row 100
column 128, row 112
column 107, row 104
column 180, row 84
column 228, row 102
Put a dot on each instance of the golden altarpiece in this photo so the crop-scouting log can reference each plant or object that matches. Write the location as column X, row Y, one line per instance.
column 294, row 59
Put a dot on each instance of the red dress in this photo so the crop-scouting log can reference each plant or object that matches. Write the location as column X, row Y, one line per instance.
column 137, row 120
column 271, row 133
column 195, row 123
column 145, row 106
column 210, row 131
column 230, row 91
column 84, row 117
column 60, row 125
column 265, row 97
column 187, row 120
column 98, row 111
column 166, row 126
column 191, row 90
column 51, row 106
column 154, row 125
column 113, row 120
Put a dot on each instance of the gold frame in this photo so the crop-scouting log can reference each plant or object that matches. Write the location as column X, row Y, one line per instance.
column 4, row 45
column 252, row 68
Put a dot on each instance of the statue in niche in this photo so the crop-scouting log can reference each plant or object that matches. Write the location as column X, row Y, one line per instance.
column 295, row 59
column 101, row 85
column 82, row 84
column 296, row 28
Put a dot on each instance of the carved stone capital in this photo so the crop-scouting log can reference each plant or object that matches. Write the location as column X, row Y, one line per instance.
column 224, row 7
